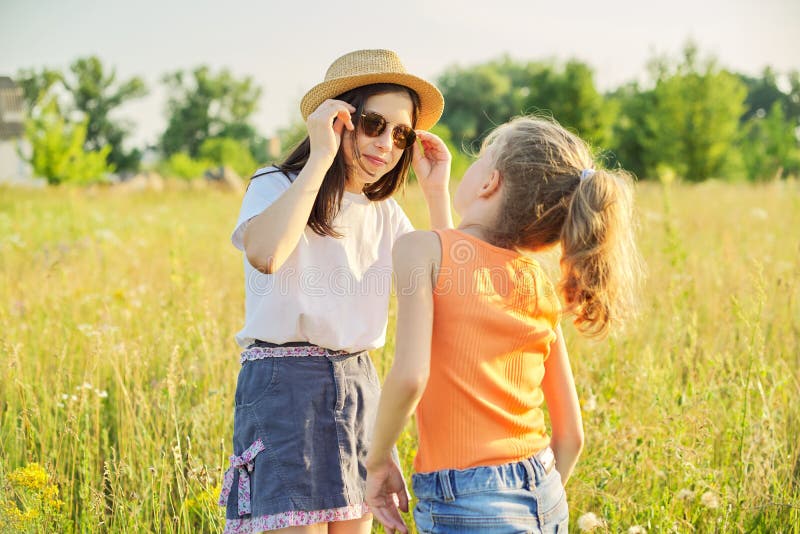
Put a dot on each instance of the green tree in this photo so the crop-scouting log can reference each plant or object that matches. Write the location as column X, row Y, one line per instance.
column 477, row 99
column 38, row 86
column 58, row 149
column 480, row 97
column 91, row 93
column 764, row 92
column 770, row 147
column 96, row 93
column 634, row 147
column 688, row 122
column 574, row 101
column 229, row 152
column 203, row 105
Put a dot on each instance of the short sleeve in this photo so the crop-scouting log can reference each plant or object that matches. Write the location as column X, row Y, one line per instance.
column 262, row 191
column 402, row 224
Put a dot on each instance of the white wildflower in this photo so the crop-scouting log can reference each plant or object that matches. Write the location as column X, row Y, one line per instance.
column 685, row 494
column 589, row 521
column 105, row 234
column 86, row 385
column 64, row 396
column 73, row 398
column 87, row 330
column 103, row 394
column 709, row 500
column 591, row 403
column 636, row 529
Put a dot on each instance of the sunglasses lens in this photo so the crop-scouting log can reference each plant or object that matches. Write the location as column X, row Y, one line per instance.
column 403, row 136
column 373, row 124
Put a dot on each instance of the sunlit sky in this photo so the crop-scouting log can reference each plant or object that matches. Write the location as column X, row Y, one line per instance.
column 286, row 45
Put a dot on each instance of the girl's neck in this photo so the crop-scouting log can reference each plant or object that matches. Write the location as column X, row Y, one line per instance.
column 475, row 230
column 478, row 220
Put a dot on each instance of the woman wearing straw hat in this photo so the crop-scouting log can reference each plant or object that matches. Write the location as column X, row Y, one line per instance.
column 317, row 232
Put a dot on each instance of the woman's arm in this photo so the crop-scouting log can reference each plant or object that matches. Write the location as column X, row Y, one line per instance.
column 433, row 174
column 561, row 397
column 271, row 236
column 416, row 256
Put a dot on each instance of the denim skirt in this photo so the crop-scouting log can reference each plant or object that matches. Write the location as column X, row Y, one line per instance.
column 302, row 422
column 511, row 498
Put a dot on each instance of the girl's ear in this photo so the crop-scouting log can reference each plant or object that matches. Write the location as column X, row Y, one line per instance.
column 491, row 185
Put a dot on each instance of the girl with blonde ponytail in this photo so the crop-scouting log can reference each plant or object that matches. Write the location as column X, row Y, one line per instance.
column 479, row 348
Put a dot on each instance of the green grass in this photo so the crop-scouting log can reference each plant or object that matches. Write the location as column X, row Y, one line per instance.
column 118, row 366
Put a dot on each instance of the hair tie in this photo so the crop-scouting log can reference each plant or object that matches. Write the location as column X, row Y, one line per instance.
column 586, row 174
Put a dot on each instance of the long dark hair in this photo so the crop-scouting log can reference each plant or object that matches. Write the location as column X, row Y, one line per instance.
column 329, row 198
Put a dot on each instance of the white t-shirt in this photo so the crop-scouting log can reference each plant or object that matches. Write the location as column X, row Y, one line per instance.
column 331, row 292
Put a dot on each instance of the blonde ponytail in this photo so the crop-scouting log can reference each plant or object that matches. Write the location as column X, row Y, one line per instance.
column 551, row 196
column 601, row 268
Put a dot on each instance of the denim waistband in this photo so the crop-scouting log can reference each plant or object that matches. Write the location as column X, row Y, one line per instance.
column 448, row 483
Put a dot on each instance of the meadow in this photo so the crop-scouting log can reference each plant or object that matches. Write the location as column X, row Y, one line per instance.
column 118, row 365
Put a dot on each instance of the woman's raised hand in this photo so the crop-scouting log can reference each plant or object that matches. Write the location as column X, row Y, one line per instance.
column 325, row 126
column 433, row 166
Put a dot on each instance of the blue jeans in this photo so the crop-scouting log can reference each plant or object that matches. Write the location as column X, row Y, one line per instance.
column 508, row 498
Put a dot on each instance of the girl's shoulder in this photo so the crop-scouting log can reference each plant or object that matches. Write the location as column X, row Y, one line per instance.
column 272, row 173
column 416, row 257
column 420, row 248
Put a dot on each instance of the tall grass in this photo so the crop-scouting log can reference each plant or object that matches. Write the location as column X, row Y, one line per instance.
column 118, row 366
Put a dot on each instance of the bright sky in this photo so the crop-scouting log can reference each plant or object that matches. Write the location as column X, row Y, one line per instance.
column 287, row 45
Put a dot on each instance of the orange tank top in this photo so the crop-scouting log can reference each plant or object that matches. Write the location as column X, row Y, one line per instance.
column 495, row 314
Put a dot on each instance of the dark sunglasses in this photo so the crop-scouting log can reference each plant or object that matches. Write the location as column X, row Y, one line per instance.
column 374, row 124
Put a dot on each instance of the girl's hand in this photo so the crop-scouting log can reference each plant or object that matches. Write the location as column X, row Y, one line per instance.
column 433, row 167
column 385, row 484
column 325, row 126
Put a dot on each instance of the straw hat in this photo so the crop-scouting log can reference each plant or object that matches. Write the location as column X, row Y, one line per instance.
column 365, row 67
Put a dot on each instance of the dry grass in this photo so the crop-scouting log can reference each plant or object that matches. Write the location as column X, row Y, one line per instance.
column 117, row 363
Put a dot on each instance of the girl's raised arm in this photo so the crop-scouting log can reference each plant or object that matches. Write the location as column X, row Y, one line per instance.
column 271, row 236
column 433, row 174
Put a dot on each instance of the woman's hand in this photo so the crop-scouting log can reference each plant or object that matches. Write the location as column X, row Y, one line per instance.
column 385, row 484
column 325, row 126
column 433, row 166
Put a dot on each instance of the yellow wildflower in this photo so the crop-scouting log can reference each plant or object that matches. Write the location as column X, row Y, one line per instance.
column 50, row 497
column 32, row 476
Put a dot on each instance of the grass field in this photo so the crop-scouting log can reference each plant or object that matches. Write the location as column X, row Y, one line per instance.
column 118, row 366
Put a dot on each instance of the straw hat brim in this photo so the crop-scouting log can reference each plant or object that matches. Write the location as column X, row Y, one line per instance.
column 431, row 100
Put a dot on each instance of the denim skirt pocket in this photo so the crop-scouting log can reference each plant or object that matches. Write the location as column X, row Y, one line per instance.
column 256, row 379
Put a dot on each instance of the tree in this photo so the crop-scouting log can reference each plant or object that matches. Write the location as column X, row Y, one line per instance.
column 763, row 93
column 96, row 95
column 770, row 145
column 479, row 98
column 688, row 122
column 634, row 147
column 58, row 153
column 89, row 95
column 229, row 152
column 38, row 86
column 203, row 105
column 572, row 98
